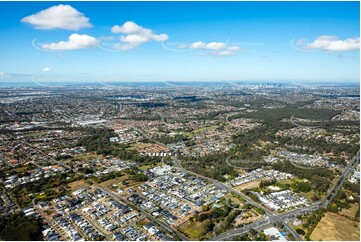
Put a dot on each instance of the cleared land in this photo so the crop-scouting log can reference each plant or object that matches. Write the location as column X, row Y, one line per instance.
column 193, row 230
column 36, row 134
column 291, row 181
column 76, row 185
column 249, row 185
column 247, row 217
column 307, row 195
column 351, row 212
column 194, row 132
column 139, row 145
column 146, row 167
column 86, row 157
column 336, row 227
column 233, row 198
column 116, row 181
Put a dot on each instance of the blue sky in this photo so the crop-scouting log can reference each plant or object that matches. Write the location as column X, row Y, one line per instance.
column 182, row 41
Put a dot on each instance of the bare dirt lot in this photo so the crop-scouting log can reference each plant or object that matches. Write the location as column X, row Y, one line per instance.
column 249, row 185
column 336, row 227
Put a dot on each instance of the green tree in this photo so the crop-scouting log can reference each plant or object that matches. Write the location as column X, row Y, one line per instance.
column 17, row 227
column 300, row 231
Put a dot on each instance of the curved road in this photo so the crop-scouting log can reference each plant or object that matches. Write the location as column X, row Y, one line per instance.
column 324, row 202
column 270, row 216
column 300, row 125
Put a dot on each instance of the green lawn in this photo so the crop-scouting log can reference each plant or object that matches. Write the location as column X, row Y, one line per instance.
column 34, row 134
column 190, row 134
column 307, row 195
column 142, row 222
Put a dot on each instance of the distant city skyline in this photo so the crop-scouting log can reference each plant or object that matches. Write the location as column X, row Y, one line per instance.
column 180, row 41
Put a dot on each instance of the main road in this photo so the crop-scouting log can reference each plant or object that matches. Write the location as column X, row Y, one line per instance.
column 267, row 221
column 270, row 216
column 222, row 186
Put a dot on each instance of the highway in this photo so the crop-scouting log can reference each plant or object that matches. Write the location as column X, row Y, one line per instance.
column 268, row 221
column 270, row 217
column 349, row 168
column 300, row 125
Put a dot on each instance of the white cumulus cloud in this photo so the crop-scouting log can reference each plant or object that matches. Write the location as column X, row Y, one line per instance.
column 196, row 45
column 58, row 17
column 214, row 48
column 135, row 35
column 128, row 27
column 331, row 43
column 47, row 69
column 75, row 41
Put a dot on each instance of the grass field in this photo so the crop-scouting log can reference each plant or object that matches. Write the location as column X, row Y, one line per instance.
column 234, row 199
column 142, row 222
column 86, row 157
column 307, row 195
column 34, row 134
column 351, row 212
column 192, row 133
column 76, row 185
column 114, row 181
column 139, row 145
column 204, row 129
column 18, row 169
column 118, row 180
column 291, row 181
column 193, row 230
column 249, row 185
column 263, row 143
column 336, row 227
column 145, row 167
column 284, row 182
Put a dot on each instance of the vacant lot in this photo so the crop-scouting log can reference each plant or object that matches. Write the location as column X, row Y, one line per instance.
column 247, row 217
column 116, row 180
column 291, row 181
column 309, row 195
column 20, row 169
column 336, row 227
column 78, row 185
column 146, row 167
column 249, row 185
column 139, row 145
column 34, row 134
column 86, row 157
column 351, row 212
column 233, row 198
column 193, row 230
column 200, row 130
